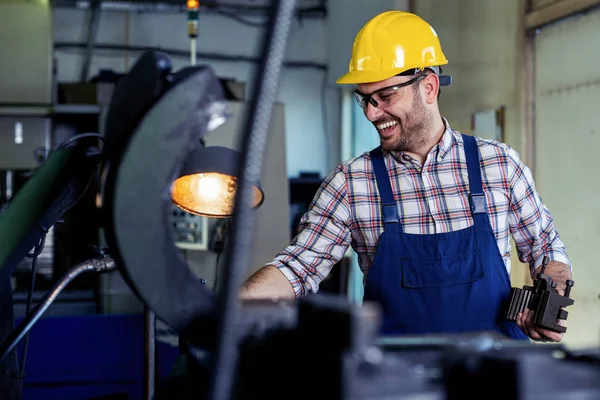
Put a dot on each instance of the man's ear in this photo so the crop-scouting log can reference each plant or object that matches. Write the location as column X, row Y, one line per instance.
column 431, row 84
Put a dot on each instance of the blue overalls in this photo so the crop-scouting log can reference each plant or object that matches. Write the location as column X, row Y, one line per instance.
column 439, row 283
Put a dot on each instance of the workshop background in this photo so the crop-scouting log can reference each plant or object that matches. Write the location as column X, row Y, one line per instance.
column 525, row 72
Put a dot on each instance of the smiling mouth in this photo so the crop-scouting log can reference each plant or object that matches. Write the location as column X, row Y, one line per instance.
column 385, row 129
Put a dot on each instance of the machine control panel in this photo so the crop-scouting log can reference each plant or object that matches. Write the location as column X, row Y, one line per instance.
column 191, row 231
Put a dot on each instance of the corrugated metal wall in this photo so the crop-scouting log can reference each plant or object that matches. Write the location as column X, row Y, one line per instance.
column 538, row 4
column 567, row 137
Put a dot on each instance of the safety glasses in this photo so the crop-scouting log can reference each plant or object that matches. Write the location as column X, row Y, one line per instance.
column 386, row 96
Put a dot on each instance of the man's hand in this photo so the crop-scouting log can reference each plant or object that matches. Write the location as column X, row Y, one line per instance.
column 525, row 322
column 560, row 273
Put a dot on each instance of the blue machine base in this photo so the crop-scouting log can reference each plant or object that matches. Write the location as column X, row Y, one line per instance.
column 87, row 357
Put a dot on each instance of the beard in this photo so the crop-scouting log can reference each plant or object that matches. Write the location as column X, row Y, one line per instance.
column 415, row 128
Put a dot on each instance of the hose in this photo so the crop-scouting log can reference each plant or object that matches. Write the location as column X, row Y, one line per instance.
column 106, row 264
column 257, row 127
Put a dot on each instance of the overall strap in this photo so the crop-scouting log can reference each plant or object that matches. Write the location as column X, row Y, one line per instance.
column 390, row 209
column 476, row 197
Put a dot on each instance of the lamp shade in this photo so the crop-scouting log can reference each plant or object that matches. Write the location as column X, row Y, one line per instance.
column 208, row 183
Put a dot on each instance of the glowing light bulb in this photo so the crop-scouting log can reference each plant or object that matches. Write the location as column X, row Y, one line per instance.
column 211, row 194
column 209, row 187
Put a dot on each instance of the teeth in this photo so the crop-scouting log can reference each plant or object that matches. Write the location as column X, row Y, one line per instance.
column 386, row 125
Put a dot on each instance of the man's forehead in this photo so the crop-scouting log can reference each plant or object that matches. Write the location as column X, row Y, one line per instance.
column 367, row 88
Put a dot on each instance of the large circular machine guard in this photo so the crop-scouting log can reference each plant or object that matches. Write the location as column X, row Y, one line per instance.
column 140, row 225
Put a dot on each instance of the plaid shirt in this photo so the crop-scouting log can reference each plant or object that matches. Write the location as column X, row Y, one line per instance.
column 433, row 198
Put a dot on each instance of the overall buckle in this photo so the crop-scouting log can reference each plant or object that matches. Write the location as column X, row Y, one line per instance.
column 478, row 203
column 390, row 213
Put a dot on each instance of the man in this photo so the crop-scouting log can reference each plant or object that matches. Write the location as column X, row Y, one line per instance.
column 429, row 212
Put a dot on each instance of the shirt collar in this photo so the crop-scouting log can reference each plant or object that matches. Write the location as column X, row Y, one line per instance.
column 445, row 144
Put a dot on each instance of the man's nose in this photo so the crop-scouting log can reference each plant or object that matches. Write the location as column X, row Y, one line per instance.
column 372, row 113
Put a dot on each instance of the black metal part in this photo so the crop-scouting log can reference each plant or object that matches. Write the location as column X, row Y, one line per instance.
column 149, row 354
column 219, row 159
column 257, row 128
column 523, row 373
column 101, row 265
column 338, row 344
column 258, row 320
column 543, row 299
column 147, row 140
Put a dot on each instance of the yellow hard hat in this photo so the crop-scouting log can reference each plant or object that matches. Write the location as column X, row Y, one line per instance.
column 391, row 43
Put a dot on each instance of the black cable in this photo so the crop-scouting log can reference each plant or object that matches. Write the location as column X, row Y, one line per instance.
column 225, row 359
column 80, row 136
column 37, row 250
column 215, row 285
column 238, row 18
column 219, row 237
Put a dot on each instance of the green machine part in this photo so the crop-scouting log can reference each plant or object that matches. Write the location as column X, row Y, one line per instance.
column 50, row 192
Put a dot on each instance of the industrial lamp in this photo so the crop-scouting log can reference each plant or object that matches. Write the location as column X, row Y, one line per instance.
column 208, row 183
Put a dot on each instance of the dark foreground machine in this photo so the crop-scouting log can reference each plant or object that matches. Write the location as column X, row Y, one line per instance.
column 319, row 347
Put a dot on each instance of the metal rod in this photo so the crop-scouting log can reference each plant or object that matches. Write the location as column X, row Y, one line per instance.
column 193, row 51
column 95, row 265
column 149, row 354
column 181, row 53
column 545, row 262
column 8, row 193
column 92, row 32
column 257, row 127
column 36, row 252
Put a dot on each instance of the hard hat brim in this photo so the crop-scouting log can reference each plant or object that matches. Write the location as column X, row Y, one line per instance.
column 358, row 77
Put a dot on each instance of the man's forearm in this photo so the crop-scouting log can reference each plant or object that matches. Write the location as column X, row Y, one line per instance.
column 267, row 283
column 559, row 273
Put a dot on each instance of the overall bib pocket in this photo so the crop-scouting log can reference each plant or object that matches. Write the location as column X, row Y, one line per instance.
column 457, row 269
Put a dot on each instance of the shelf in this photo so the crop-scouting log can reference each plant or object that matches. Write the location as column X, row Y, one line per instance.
column 25, row 110
column 64, row 109
column 41, row 110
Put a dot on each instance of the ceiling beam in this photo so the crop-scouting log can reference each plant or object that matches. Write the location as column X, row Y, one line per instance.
column 554, row 12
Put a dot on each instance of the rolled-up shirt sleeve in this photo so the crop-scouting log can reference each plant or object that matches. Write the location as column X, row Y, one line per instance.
column 323, row 238
column 531, row 223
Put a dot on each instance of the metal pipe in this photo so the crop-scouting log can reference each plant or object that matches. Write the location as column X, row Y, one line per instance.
column 105, row 264
column 243, row 8
column 92, row 32
column 193, row 51
column 149, row 354
column 58, row 46
column 257, row 128
column 8, row 188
